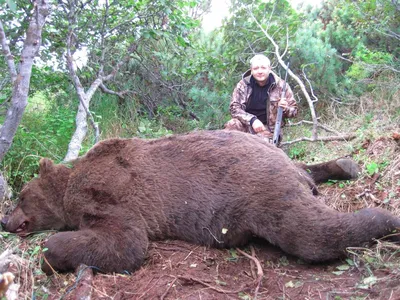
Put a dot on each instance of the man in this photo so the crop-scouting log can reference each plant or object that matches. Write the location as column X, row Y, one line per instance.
column 255, row 100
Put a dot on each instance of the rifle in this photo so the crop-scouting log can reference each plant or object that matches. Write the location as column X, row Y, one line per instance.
column 278, row 123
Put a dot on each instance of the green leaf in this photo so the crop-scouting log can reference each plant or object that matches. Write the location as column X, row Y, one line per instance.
column 142, row 127
column 343, row 267
column 372, row 168
column 12, row 5
column 181, row 41
column 371, row 280
column 233, row 253
column 244, row 296
column 338, row 273
column 284, row 261
column 350, row 262
column 219, row 282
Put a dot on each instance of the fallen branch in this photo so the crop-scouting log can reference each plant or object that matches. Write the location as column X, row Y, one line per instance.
column 217, row 289
column 169, row 287
column 326, row 128
column 260, row 272
column 346, row 137
column 252, row 263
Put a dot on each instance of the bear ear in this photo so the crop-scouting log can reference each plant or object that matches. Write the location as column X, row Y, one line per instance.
column 46, row 166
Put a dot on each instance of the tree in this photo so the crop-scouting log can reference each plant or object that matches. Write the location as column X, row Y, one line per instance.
column 20, row 74
column 112, row 34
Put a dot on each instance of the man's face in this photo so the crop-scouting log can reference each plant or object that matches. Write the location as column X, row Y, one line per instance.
column 260, row 71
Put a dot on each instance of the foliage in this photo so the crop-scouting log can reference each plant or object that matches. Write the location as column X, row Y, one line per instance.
column 243, row 38
column 178, row 73
column 42, row 133
column 367, row 63
column 212, row 107
column 314, row 55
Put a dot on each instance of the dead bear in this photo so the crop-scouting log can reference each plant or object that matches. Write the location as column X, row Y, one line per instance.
column 215, row 188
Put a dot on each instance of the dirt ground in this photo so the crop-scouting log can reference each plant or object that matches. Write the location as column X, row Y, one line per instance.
column 178, row 270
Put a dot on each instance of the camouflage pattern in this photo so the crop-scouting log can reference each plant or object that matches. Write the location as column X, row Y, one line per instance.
column 241, row 96
column 235, row 124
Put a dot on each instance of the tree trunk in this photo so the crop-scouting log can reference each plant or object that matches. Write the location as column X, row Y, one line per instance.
column 21, row 80
column 81, row 117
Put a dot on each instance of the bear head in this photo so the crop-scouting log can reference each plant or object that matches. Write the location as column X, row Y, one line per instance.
column 40, row 205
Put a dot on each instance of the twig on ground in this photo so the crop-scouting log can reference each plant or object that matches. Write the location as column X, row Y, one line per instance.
column 169, row 287
column 210, row 286
column 54, row 271
column 260, row 272
column 146, row 291
column 252, row 264
column 346, row 137
column 324, row 127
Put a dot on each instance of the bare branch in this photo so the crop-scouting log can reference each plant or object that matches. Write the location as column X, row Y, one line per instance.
column 105, row 90
column 309, row 84
column 172, row 88
column 260, row 272
column 345, row 137
column 296, row 78
column 371, row 67
column 390, row 33
column 326, row 128
column 85, row 97
column 7, row 54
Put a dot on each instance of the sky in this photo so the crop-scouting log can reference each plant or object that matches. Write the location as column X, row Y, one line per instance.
column 219, row 10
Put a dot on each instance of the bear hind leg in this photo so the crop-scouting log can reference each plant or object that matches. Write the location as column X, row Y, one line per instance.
column 338, row 169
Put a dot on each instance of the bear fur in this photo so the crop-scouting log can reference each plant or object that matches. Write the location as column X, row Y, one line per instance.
column 215, row 188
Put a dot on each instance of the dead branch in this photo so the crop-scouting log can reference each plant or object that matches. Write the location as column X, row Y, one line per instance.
column 172, row 88
column 345, row 137
column 7, row 54
column 120, row 95
column 310, row 85
column 83, row 286
column 326, row 128
column 169, row 287
column 260, row 272
column 217, row 289
column 295, row 77
column 253, row 253
column 369, row 66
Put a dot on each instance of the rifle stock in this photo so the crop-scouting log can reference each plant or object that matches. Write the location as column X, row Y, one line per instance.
column 278, row 123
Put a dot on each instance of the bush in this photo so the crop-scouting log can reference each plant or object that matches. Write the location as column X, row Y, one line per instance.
column 41, row 134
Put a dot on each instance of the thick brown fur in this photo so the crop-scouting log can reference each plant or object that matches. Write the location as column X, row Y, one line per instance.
column 214, row 188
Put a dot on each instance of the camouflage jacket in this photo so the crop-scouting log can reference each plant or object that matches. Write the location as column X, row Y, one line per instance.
column 241, row 97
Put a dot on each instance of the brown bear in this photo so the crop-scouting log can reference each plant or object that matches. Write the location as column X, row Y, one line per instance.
column 216, row 188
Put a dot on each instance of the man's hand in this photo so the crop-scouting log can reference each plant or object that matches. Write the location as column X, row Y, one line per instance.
column 283, row 103
column 266, row 134
column 258, row 126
